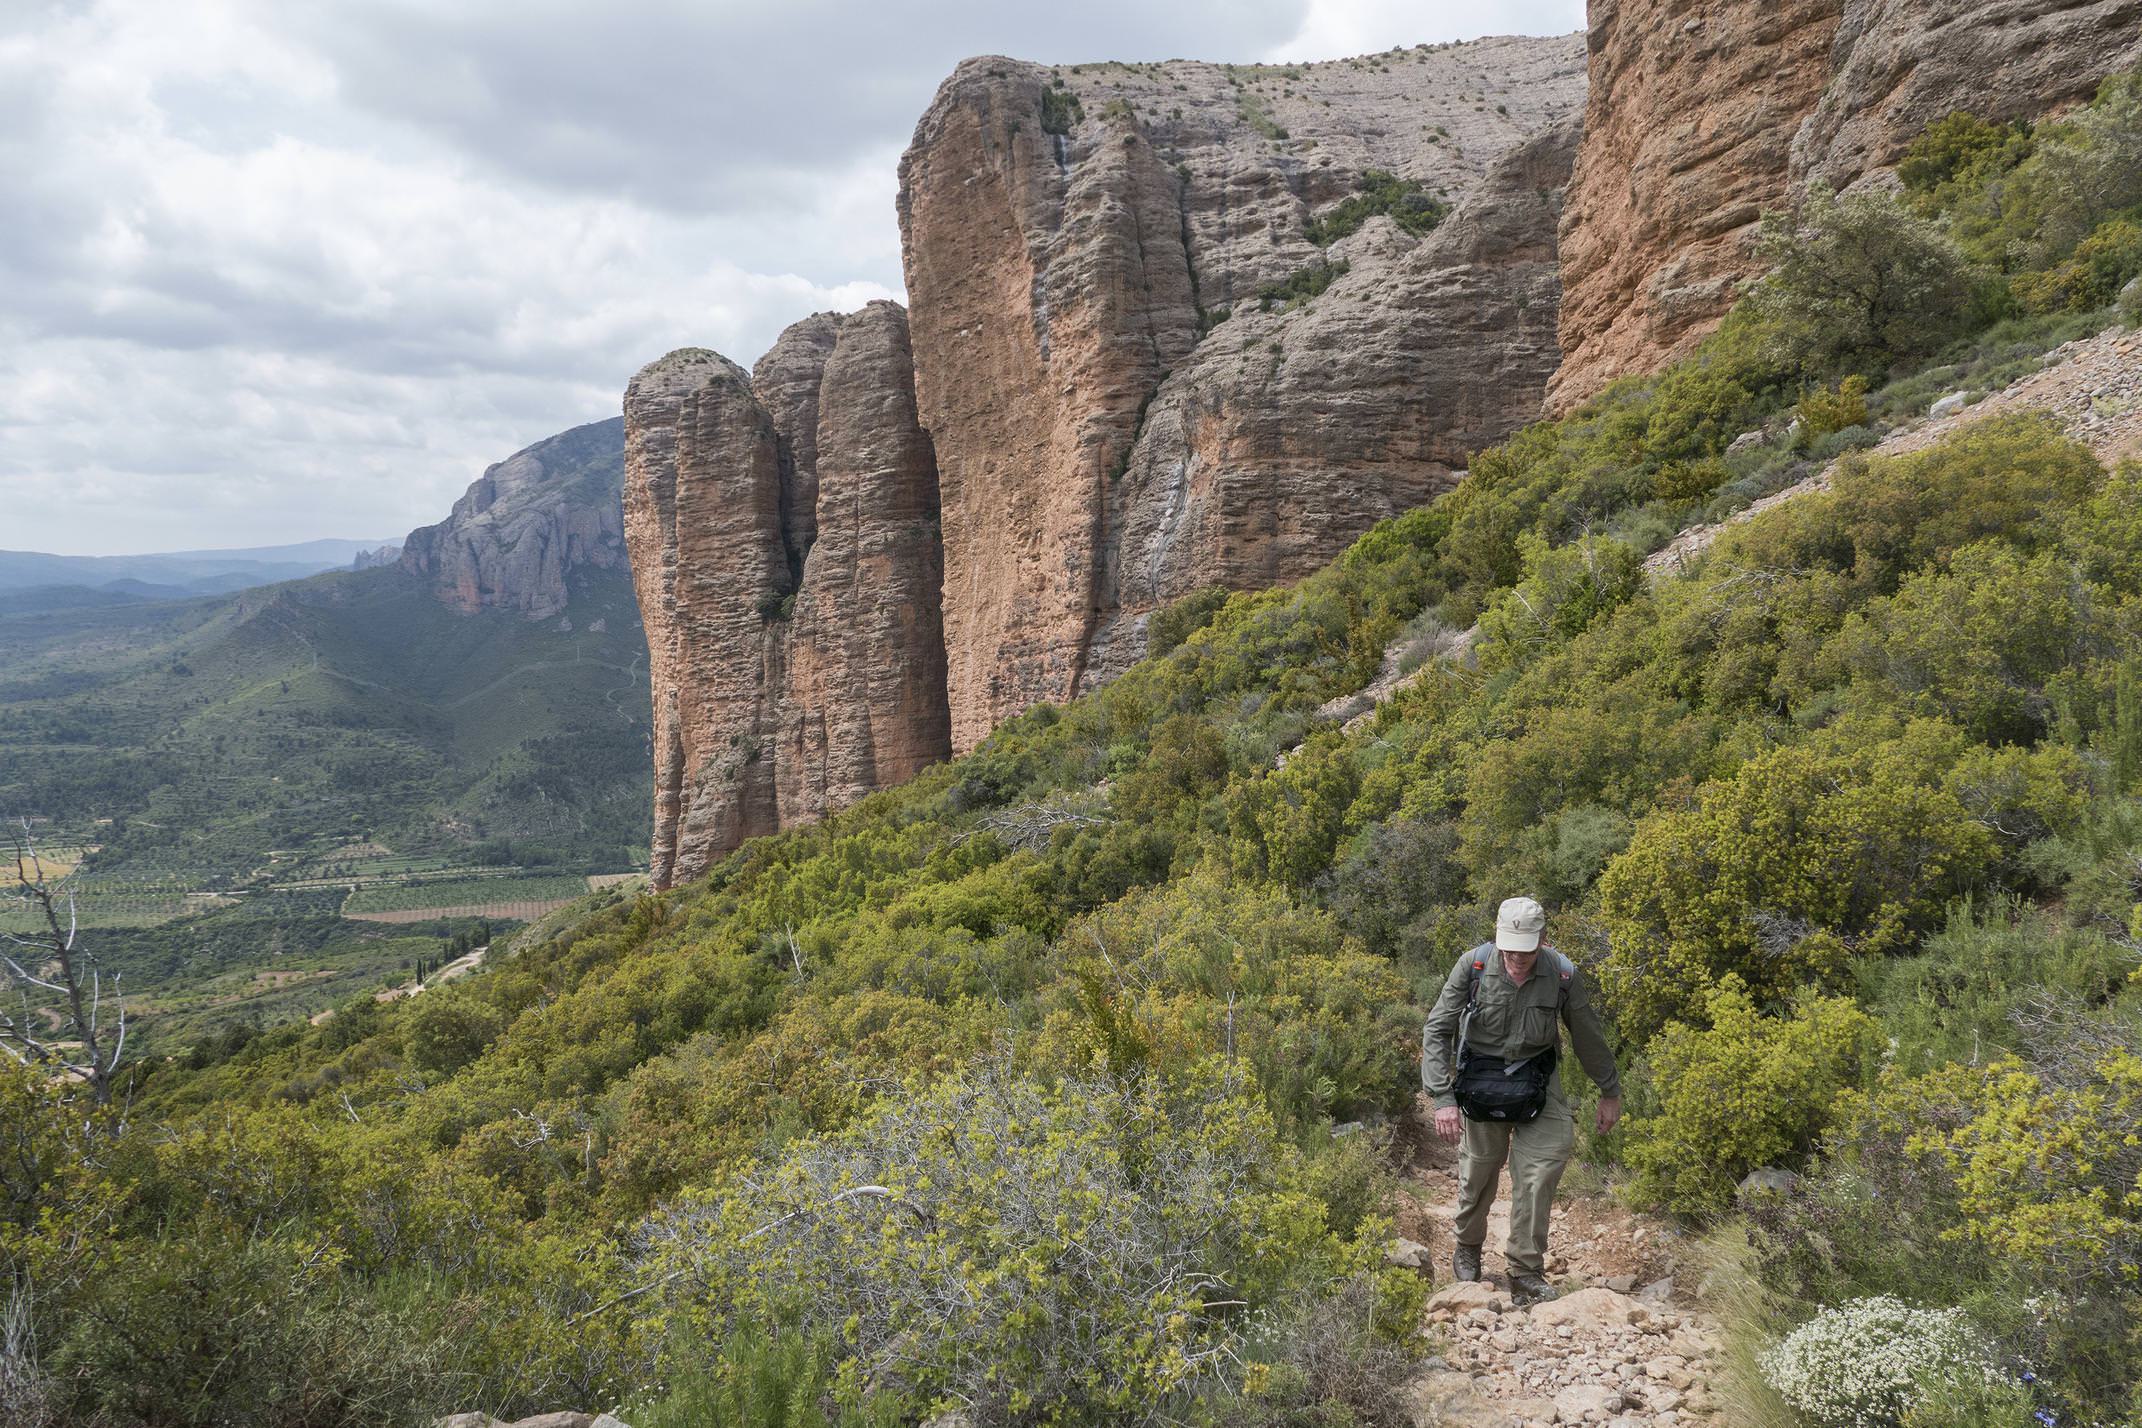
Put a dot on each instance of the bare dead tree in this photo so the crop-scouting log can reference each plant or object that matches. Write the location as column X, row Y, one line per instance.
column 47, row 965
column 1031, row 825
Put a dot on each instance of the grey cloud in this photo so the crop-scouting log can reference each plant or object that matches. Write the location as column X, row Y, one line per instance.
column 273, row 271
column 696, row 105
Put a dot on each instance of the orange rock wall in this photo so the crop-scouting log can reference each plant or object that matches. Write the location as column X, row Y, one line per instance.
column 1701, row 115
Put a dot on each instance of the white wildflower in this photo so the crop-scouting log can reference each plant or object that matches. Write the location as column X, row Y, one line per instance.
column 1863, row 1364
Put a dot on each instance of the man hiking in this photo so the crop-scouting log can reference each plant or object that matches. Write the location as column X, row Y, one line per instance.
column 1489, row 1058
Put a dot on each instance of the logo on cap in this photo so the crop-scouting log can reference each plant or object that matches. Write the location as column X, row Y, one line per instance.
column 1519, row 923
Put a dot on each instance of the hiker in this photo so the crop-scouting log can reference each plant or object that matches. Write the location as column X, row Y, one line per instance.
column 1489, row 1059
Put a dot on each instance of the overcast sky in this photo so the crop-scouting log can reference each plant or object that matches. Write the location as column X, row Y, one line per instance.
column 279, row 269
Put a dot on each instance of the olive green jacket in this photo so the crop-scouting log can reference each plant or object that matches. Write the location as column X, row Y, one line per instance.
column 1514, row 1022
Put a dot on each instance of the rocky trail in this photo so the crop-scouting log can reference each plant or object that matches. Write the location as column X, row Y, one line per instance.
column 1625, row 1344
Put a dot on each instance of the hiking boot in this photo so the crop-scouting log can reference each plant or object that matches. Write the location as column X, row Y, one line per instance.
column 1465, row 1263
column 1528, row 1288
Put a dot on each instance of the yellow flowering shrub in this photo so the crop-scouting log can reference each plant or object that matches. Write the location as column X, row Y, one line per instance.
column 1748, row 1090
column 2048, row 1173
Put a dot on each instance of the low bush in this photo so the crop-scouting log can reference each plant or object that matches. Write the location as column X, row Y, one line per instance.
column 1033, row 1253
column 1302, row 285
column 1406, row 202
column 1774, row 873
column 1746, row 1090
column 1825, row 410
column 1871, row 1362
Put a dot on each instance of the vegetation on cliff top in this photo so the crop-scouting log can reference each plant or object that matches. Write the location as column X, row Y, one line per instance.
column 1013, row 1086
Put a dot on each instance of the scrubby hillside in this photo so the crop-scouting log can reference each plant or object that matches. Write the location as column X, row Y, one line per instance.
column 1012, row 1089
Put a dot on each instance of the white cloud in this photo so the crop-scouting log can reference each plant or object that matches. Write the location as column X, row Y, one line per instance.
column 277, row 271
column 1334, row 29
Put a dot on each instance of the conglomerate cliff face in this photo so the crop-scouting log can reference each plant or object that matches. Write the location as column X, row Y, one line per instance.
column 525, row 524
column 1285, row 434
column 783, row 531
column 1117, row 418
column 1701, row 115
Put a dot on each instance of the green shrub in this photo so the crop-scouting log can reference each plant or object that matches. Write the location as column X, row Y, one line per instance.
column 1036, row 1253
column 1175, row 622
column 1302, row 285
column 1406, row 202
column 211, row 1327
column 1988, row 643
column 2047, row 1160
column 2080, row 170
column 447, row 1032
column 1176, row 974
column 1395, row 873
column 1745, row 1090
column 1858, row 280
column 1969, row 1401
column 1565, row 588
column 1774, row 872
column 1688, row 480
column 1960, row 154
column 1961, row 997
column 1886, row 515
column 1060, row 110
column 2089, row 277
column 1824, row 410
column 757, row 1379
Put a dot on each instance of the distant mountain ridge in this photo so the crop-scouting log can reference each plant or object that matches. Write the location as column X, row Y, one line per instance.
column 180, row 573
column 365, row 699
column 527, row 522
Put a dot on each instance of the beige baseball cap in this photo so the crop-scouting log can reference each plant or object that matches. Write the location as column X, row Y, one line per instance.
column 1519, row 922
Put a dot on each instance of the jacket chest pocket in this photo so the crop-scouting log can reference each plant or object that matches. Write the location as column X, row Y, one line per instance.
column 1535, row 1026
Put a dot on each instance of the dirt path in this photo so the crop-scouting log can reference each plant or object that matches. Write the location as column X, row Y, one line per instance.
column 2093, row 387
column 1625, row 1345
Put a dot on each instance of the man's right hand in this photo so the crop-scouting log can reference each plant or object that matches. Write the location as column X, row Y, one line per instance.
column 1448, row 1124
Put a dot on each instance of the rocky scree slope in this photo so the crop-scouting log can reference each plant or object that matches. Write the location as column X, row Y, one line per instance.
column 1701, row 116
column 783, row 530
column 525, row 524
column 1117, row 417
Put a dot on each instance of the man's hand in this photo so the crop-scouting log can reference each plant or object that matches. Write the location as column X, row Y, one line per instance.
column 1609, row 1112
column 1448, row 1124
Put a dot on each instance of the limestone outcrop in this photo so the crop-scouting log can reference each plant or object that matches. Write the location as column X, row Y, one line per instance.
column 522, row 527
column 1117, row 417
column 1700, row 116
column 783, row 532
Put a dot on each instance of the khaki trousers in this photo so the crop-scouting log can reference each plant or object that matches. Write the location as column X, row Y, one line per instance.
column 1537, row 1154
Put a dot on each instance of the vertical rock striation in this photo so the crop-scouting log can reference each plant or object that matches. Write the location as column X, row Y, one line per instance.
column 1073, row 241
column 1288, row 433
column 525, row 524
column 1702, row 115
column 784, row 544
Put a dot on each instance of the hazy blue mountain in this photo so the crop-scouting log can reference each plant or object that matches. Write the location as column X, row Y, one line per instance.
column 181, row 572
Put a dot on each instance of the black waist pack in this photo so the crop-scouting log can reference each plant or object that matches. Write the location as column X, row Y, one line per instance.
column 1489, row 1088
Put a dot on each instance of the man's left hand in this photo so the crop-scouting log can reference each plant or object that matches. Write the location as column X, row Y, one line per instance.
column 1609, row 1112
